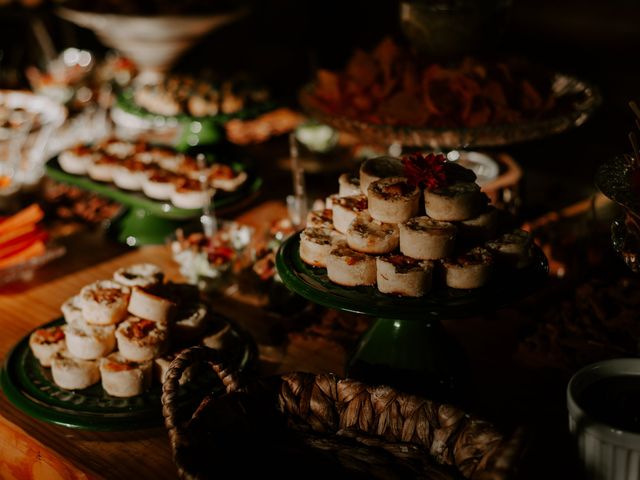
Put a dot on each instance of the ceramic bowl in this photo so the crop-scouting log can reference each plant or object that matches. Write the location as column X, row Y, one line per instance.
column 154, row 43
column 606, row 452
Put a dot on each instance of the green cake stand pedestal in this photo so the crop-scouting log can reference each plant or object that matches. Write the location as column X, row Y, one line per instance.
column 406, row 346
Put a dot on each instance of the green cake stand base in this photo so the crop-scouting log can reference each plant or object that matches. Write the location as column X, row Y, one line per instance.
column 406, row 346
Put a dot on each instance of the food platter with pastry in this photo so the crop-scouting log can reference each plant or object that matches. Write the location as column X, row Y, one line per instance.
column 102, row 364
column 159, row 184
column 193, row 112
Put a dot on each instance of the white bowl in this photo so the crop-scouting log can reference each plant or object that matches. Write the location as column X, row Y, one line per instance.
column 607, row 453
column 153, row 42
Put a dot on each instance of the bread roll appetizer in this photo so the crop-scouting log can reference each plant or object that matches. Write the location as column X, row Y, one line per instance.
column 349, row 268
column 130, row 174
column 189, row 194
column 400, row 275
column 140, row 340
column 122, row 377
column 346, row 209
column 376, row 168
column 459, row 201
column 45, row 343
column 104, row 302
column 102, row 168
column 72, row 310
column 159, row 184
column 513, row 248
column 73, row 373
column 470, row 270
column 393, row 200
column 320, row 218
column 139, row 275
column 223, row 177
column 482, row 227
column 89, row 342
column 191, row 322
column 315, row 245
column 76, row 159
column 372, row 236
column 427, row 239
column 146, row 303
column 349, row 185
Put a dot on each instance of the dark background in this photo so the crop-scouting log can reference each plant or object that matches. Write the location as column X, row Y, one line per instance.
column 283, row 41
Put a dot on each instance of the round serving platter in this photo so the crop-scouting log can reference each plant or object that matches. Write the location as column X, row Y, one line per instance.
column 579, row 99
column 313, row 284
column 189, row 130
column 30, row 387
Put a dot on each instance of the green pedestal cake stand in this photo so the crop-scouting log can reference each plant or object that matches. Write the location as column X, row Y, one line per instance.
column 145, row 221
column 406, row 346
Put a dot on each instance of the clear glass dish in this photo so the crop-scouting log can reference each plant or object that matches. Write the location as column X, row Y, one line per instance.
column 576, row 98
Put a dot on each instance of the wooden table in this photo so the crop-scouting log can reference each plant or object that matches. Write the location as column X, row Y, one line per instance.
column 31, row 448
column 500, row 390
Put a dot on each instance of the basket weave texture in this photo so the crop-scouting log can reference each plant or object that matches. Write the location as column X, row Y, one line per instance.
column 313, row 426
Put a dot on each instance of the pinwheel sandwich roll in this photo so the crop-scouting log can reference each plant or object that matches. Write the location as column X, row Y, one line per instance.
column 455, row 202
column 147, row 303
column 122, row 377
column 72, row 310
column 372, row 236
column 90, row 342
column 346, row 209
column 130, row 174
column 73, row 373
column 139, row 275
column 472, row 269
column 45, row 343
column 76, row 159
column 400, row 275
column 427, row 239
column 140, row 340
column 190, row 322
column 103, row 167
column 315, row 245
column 104, row 302
column 349, row 268
column 376, row 168
column 393, row 200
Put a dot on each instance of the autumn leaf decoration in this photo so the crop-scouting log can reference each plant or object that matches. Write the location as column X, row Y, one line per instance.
column 425, row 171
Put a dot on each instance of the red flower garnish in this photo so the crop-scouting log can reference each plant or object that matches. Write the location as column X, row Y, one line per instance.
column 425, row 171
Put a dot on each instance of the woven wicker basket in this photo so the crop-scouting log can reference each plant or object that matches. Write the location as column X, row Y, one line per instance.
column 302, row 425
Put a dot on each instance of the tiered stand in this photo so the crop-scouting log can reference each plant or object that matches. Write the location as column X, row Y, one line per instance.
column 406, row 346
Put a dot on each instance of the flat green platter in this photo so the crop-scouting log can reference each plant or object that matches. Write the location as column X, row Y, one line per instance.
column 148, row 221
column 221, row 200
column 313, row 284
column 207, row 130
column 30, row 387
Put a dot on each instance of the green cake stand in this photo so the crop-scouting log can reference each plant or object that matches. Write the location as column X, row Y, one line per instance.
column 145, row 221
column 406, row 346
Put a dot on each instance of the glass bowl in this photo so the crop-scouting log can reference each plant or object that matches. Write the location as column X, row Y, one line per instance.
column 578, row 100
